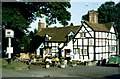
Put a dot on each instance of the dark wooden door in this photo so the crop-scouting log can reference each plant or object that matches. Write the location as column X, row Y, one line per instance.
column 60, row 53
column 67, row 51
column 41, row 53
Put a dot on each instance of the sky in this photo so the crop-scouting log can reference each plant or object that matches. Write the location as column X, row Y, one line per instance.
column 77, row 10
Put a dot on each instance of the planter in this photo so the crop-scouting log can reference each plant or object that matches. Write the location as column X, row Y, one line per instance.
column 74, row 64
column 62, row 66
column 47, row 66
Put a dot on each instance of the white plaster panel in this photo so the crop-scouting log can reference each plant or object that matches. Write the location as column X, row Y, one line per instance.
column 85, row 58
column 92, row 33
column 91, row 57
column 69, row 46
column 91, row 49
column 96, row 34
column 78, row 35
column 112, row 30
column 88, row 35
column 85, row 41
column 79, row 41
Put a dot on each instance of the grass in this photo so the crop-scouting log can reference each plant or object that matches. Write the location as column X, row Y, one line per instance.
column 13, row 66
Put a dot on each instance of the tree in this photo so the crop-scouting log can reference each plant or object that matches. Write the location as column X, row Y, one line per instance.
column 85, row 17
column 19, row 15
column 52, row 10
column 117, row 18
column 107, row 12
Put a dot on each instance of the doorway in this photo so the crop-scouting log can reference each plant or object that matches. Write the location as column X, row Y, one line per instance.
column 59, row 52
column 41, row 53
column 67, row 51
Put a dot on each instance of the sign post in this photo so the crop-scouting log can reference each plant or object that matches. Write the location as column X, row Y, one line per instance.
column 9, row 33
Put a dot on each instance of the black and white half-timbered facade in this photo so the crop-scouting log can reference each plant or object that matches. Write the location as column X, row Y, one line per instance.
column 54, row 39
column 90, row 41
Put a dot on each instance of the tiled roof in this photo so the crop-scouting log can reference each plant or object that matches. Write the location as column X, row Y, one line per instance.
column 100, row 27
column 58, row 34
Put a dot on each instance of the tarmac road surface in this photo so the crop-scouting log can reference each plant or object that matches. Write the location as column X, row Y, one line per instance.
column 84, row 72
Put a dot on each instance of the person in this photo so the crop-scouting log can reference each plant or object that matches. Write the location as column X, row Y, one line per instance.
column 57, row 60
column 46, row 60
column 53, row 62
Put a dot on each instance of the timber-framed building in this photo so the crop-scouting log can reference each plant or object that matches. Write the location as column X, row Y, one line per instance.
column 90, row 40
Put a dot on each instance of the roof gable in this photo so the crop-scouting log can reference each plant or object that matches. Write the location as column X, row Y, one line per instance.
column 100, row 27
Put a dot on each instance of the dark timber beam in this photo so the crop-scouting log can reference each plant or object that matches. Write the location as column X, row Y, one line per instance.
column 94, row 58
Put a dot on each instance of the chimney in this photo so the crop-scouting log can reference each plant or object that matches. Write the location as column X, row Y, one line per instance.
column 40, row 25
column 93, row 17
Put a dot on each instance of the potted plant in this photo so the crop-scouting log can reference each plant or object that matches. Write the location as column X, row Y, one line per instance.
column 47, row 65
column 62, row 65
column 74, row 63
column 38, row 57
column 62, row 57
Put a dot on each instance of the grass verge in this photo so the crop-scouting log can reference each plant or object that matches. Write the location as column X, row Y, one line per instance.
column 13, row 66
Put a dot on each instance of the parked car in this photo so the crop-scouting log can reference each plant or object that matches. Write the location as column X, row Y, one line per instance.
column 114, row 60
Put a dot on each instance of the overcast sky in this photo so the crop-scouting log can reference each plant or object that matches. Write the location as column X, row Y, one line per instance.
column 78, row 9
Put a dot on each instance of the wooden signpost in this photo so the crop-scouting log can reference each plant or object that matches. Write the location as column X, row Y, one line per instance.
column 9, row 33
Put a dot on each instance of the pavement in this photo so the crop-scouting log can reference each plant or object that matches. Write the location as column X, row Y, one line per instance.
column 83, row 72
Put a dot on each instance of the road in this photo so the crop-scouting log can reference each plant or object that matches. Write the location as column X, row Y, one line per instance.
column 84, row 72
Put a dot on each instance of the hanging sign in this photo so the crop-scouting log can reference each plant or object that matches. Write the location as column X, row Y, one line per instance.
column 9, row 33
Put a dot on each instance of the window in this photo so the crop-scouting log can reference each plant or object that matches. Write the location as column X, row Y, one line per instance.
column 46, row 44
column 112, row 48
column 48, row 51
column 85, row 51
column 70, row 35
column 76, row 50
column 82, row 34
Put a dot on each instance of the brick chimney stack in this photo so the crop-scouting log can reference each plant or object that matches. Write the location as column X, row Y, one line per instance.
column 93, row 17
column 40, row 25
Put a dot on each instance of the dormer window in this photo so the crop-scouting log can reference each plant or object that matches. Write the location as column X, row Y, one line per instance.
column 47, row 37
column 70, row 35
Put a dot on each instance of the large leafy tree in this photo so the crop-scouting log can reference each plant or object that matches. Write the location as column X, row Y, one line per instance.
column 117, row 17
column 19, row 15
column 107, row 12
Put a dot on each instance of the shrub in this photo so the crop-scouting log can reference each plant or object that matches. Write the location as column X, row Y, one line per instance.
column 62, row 57
column 17, row 55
